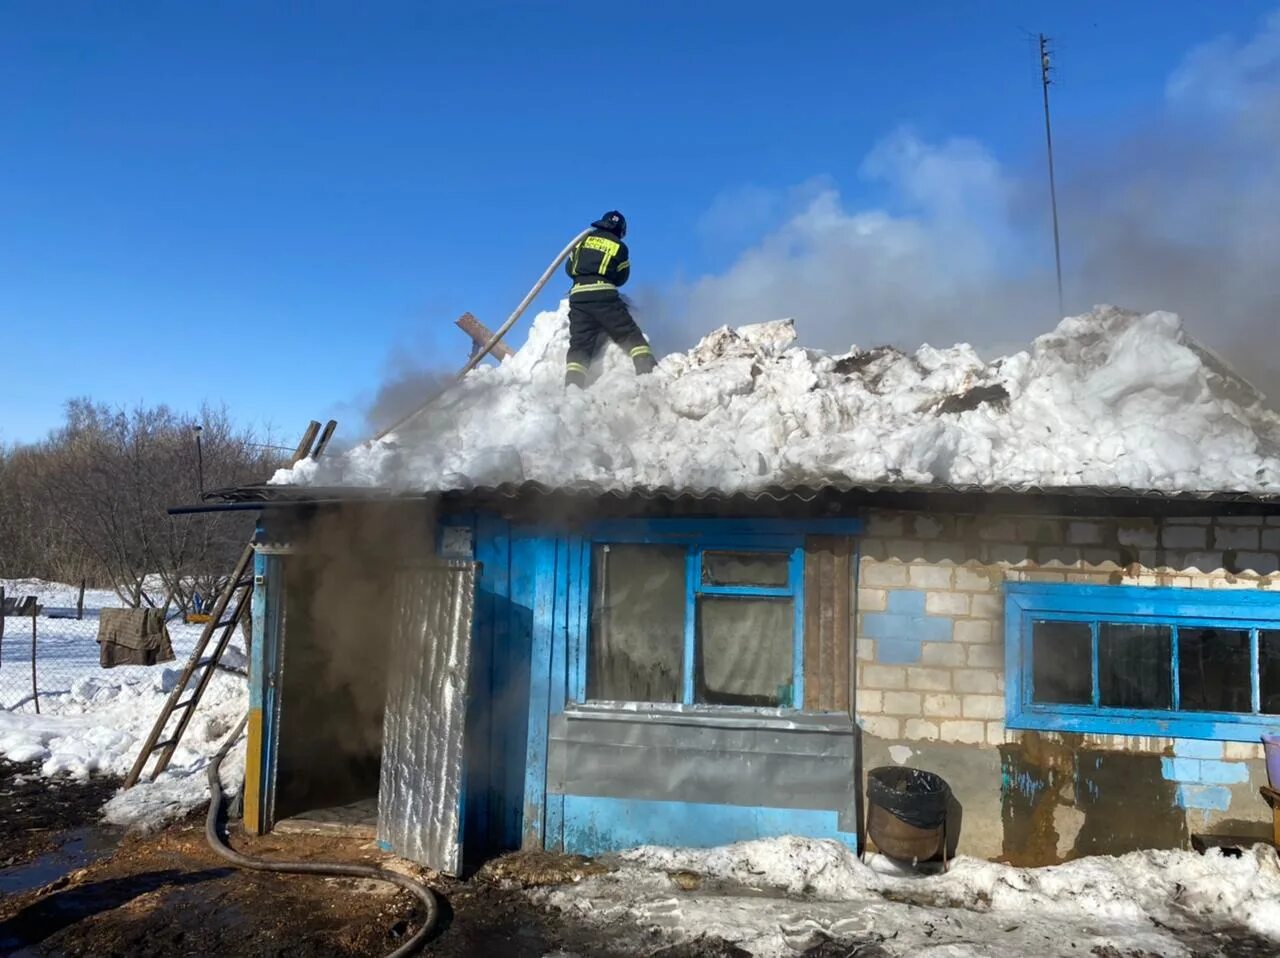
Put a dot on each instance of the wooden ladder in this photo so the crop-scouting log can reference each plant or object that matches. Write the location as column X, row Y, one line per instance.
column 237, row 596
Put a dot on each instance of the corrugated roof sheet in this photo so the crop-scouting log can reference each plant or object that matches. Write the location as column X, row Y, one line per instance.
column 829, row 497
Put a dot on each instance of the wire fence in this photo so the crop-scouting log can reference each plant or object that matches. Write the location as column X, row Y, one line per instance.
column 50, row 651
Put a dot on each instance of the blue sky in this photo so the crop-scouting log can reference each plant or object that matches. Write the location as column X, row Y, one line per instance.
column 263, row 204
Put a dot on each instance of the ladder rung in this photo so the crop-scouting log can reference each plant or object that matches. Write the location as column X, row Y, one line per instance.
column 165, row 744
column 185, row 703
column 210, row 660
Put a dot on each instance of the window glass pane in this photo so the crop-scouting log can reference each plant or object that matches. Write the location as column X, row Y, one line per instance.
column 1135, row 665
column 1214, row 670
column 637, row 623
column 745, row 568
column 1269, row 670
column 744, row 651
column 1062, row 663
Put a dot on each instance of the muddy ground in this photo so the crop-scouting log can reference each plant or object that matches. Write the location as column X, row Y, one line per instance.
column 35, row 813
column 70, row 887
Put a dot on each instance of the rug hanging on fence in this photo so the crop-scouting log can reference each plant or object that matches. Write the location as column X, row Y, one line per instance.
column 133, row 637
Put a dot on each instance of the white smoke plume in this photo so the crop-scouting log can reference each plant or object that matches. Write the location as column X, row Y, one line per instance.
column 1181, row 213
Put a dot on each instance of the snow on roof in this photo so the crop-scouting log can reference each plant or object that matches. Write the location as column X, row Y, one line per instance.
column 1110, row 398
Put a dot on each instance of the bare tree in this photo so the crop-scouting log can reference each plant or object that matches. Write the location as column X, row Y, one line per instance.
column 91, row 501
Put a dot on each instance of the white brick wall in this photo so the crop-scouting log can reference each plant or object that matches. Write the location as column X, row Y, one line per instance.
column 872, row 600
column 931, row 577
column 946, row 654
column 929, row 680
column 955, row 692
column 903, row 703
column 940, row 705
column 946, row 603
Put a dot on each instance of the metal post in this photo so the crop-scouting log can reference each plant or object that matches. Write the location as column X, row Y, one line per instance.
column 35, row 688
column 1, row 623
column 1048, row 138
column 80, row 602
column 196, row 430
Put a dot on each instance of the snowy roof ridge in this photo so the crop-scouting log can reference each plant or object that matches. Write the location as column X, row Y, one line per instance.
column 1109, row 399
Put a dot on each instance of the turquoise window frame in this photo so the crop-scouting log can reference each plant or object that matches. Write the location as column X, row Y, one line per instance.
column 1026, row 603
column 698, row 536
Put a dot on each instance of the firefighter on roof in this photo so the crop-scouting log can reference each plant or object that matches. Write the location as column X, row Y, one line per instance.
column 598, row 266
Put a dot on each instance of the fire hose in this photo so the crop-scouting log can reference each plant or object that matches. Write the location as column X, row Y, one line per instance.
column 484, row 350
column 336, row 869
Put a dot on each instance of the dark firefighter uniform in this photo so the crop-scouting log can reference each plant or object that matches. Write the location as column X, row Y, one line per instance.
column 598, row 266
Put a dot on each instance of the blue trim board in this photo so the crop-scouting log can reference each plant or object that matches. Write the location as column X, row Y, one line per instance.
column 593, row 825
column 1136, row 600
column 797, row 635
column 1029, row 602
column 705, row 531
column 258, row 627
column 689, row 660
column 535, row 783
column 553, row 828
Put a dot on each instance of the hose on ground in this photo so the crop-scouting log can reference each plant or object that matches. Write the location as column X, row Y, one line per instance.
column 336, row 869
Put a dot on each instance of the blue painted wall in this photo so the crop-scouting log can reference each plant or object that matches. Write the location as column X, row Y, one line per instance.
column 545, row 587
column 594, row 825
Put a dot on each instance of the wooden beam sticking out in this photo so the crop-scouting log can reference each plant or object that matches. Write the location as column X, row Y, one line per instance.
column 480, row 334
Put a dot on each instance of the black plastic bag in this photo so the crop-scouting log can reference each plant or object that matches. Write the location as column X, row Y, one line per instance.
column 912, row 795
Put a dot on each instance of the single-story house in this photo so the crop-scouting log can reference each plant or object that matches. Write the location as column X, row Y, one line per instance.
column 574, row 669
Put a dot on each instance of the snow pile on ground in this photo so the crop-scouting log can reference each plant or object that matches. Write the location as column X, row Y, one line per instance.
column 94, row 720
column 1145, row 902
column 1109, row 398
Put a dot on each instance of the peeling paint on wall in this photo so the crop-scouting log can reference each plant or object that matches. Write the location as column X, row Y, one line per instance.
column 1061, row 800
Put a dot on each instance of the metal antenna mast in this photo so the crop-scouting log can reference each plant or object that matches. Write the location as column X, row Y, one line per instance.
column 1045, row 80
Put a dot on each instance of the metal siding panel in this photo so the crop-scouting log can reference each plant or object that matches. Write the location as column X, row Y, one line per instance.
column 743, row 766
column 420, row 793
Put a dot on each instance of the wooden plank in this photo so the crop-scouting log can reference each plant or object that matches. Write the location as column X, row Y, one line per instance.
column 329, row 429
column 812, row 638
column 305, row 443
column 480, row 334
column 828, row 597
column 842, row 581
column 827, row 619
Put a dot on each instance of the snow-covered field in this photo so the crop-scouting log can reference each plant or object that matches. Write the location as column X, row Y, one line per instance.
column 1144, row 903
column 94, row 720
column 1109, row 398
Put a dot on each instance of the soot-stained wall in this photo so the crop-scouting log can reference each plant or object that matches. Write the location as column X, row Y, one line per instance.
column 930, row 658
column 336, row 630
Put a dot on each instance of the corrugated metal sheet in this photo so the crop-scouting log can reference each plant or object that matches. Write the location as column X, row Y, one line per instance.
column 827, row 581
column 788, row 493
column 420, row 793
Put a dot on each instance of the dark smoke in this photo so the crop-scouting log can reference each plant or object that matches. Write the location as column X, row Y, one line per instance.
column 407, row 387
